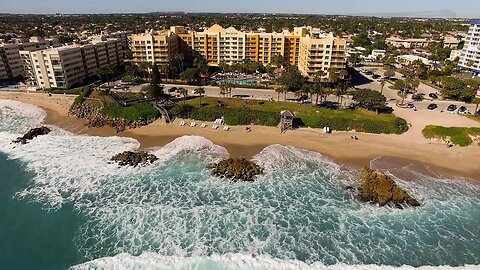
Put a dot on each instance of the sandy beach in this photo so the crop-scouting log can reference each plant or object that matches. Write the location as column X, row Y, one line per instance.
column 403, row 150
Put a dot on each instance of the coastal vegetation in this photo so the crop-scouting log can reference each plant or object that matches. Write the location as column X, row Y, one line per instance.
column 132, row 113
column 237, row 169
column 84, row 92
column 461, row 136
column 246, row 112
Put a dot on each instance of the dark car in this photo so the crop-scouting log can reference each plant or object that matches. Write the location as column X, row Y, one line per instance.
column 172, row 90
column 462, row 109
column 376, row 76
column 418, row 97
column 432, row 106
column 451, row 107
column 433, row 95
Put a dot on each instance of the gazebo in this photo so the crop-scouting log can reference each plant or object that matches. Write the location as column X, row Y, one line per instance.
column 286, row 121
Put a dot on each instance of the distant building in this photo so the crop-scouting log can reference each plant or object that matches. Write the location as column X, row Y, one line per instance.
column 398, row 42
column 408, row 59
column 454, row 54
column 470, row 55
column 305, row 47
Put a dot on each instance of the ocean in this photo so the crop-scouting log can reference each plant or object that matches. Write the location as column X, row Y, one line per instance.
column 64, row 205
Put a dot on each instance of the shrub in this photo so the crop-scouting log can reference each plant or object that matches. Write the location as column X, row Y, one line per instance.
column 85, row 92
column 458, row 135
column 128, row 78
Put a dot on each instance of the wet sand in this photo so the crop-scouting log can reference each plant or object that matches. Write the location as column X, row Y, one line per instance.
column 409, row 149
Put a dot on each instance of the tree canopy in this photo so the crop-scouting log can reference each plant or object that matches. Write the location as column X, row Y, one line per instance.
column 292, row 79
column 369, row 98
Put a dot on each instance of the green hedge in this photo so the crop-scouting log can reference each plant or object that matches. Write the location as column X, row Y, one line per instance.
column 132, row 113
column 233, row 116
column 376, row 126
column 85, row 92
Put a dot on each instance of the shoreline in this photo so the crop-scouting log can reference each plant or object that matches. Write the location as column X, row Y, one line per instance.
column 406, row 150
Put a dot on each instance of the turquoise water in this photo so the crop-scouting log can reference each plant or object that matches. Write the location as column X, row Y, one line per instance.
column 64, row 204
column 238, row 81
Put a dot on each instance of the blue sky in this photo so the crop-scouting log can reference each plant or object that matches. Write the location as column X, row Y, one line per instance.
column 423, row 8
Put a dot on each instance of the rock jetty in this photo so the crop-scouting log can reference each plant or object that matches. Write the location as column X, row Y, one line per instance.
column 380, row 188
column 32, row 133
column 95, row 118
column 237, row 169
column 130, row 158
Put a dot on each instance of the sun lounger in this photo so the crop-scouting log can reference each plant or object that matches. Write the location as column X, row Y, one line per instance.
column 226, row 128
column 203, row 125
column 214, row 126
column 182, row 123
column 193, row 124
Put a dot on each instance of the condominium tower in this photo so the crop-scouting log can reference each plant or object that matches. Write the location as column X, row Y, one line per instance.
column 69, row 65
column 470, row 55
column 303, row 48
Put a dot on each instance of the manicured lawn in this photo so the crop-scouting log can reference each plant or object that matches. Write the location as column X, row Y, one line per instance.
column 311, row 116
column 458, row 135
column 132, row 113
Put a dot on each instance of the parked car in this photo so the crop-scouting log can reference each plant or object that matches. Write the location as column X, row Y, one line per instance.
column 172, row 90
column 451, row 107
column 433, row 95
column 376, row 76
column 410, row 106
column 418, row 97
column 432, row 106
column 462, row 109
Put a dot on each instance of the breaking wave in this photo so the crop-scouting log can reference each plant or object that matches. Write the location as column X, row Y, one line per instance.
column 175, row 215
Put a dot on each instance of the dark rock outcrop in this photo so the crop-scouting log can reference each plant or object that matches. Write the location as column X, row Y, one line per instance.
column 95, row 118
column 379, row 188
column 32, row 133
column 238, row 169
column 131, row 158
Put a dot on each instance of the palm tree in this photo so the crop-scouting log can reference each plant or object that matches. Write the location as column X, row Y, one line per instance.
column 200, row 91
column 223, row 89
column 477, row 102
column 382, row 85
column 279, row 90
column 182, row 91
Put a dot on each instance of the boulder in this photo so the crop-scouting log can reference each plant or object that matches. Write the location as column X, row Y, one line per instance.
column 237, row 169
column 380, row 188
column 134, row 159
column 32, row 133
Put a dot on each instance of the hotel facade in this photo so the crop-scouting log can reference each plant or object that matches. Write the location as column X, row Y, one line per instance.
column 304, row 47
column 470, row 54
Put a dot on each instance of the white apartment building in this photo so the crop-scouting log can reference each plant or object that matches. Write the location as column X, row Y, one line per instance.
column 10, row 61
column 66, row 66
column 470, row 55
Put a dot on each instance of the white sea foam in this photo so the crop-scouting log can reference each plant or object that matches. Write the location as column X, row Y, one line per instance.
column 298, row 210
column 153, row 261
column 17, row 117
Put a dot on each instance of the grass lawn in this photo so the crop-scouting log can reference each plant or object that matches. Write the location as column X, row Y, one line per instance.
column 313, row 116
column 132, row 113
column 458, row 135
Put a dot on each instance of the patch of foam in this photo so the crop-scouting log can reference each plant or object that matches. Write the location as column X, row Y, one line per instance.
column 17, row 117
column 230, row 261
column 192, row 144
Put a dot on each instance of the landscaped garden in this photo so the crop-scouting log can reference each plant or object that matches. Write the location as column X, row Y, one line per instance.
column 245, row 112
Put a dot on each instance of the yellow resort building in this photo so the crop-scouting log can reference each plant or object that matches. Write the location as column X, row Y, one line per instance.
column 305, row 48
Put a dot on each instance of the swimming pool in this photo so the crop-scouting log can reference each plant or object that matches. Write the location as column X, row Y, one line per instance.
column 11, row 87
column 237, row 81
